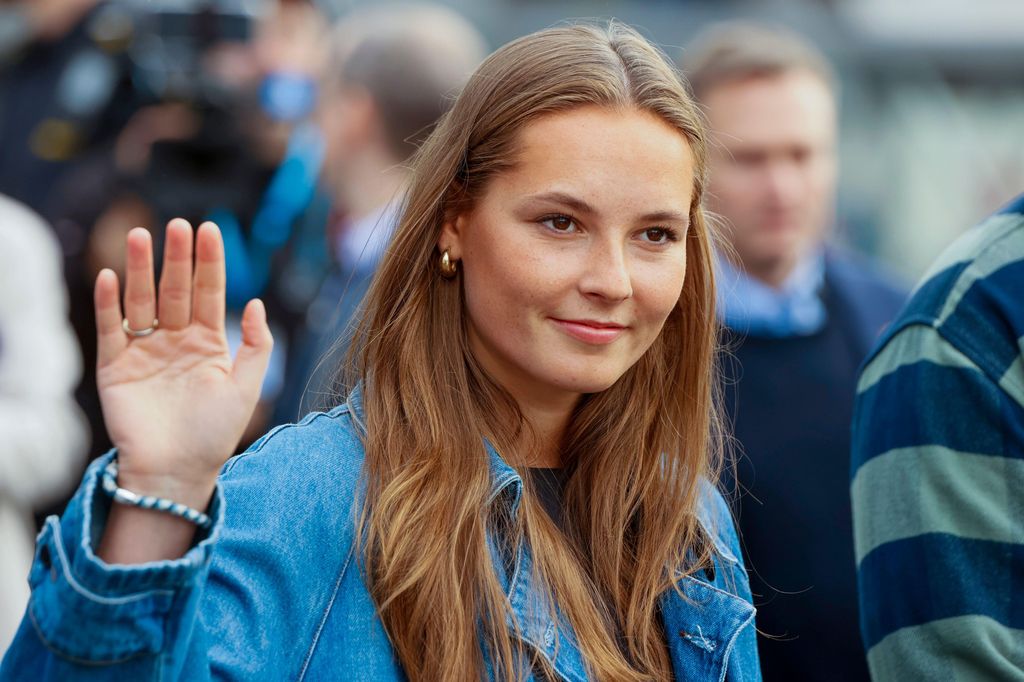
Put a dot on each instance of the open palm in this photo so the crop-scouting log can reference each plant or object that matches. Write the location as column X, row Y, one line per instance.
column 174, row 402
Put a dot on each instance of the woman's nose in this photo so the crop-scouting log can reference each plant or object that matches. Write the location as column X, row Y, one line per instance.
column 606, row 274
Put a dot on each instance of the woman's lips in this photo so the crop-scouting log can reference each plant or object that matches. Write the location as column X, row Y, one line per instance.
column 590, row 331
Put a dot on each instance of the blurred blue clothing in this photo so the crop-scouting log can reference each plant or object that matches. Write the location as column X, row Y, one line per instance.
column 938, row 469
column 361, row 244
column 748, row 305
column 323, row 343
column 791, row 400
column 274, row 590
column 249, row 255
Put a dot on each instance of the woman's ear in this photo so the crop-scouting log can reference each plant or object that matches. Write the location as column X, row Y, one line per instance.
column 451, row 238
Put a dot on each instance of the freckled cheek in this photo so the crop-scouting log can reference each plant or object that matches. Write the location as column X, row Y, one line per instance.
column 656, row 294
column 500, row 302
column 515, row 278
column 493, row 277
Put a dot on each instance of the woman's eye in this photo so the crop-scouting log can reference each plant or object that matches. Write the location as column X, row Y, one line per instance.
column 560, row 223
column 657, row 235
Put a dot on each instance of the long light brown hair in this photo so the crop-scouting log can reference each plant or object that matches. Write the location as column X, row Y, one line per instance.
column 636, row 454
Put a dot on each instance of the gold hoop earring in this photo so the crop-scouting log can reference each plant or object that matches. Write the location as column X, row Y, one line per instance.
column 448, row 266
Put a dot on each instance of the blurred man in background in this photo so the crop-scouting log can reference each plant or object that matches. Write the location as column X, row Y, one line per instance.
column 938, row 464
column 803, row 314
column 392, row 73
column 42, row 432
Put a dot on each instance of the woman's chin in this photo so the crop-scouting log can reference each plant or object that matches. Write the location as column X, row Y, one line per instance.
column 593, row 382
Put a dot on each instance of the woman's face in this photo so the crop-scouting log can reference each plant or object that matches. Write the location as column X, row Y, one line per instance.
column 573, row 259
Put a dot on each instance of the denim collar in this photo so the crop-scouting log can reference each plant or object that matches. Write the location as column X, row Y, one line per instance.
column 750, row 306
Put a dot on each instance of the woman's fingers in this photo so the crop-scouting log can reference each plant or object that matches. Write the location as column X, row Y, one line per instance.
column 175, row 301
column 139, row 290
column 209, row 281
column 110, row 338
column 254, row 354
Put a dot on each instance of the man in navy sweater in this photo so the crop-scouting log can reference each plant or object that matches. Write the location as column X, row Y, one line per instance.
column 801, row 315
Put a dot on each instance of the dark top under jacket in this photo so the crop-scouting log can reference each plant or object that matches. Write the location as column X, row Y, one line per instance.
column 550, row 487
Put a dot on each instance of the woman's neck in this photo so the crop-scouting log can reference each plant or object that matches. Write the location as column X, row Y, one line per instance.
column 545, row 409
column 541, row 443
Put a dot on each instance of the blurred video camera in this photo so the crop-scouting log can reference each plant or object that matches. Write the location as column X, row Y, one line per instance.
column 172, row 43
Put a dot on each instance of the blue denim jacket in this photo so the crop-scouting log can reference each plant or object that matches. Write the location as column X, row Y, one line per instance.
column 273, row 591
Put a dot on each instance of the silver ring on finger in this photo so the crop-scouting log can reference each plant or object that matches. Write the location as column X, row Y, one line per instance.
column 136, row 333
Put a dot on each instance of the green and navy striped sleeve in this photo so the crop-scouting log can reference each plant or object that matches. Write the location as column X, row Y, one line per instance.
column 938, row 470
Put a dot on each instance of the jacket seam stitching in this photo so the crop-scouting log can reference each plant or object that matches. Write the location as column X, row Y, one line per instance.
column 327, row 612
column 717, row 589
column 309, row 419
column 965, row 346
column 732, row 644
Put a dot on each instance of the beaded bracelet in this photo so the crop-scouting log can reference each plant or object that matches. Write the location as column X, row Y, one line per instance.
column 122, row 496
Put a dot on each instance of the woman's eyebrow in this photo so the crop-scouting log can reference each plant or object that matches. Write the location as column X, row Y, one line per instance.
column 666, row 217
column 582, row 207
column 575, row 203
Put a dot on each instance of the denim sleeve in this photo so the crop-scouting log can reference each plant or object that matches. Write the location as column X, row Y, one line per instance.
column 247, row 602
column 90, row 620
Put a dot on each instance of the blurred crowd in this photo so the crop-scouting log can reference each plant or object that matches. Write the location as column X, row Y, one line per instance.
column 292, row 133
column 287, row 130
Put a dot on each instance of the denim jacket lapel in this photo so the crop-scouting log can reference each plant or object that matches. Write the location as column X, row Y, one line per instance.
column 552, row 637
column 702, row 622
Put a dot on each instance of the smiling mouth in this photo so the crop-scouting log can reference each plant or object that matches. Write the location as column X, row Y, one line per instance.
column 593, row 332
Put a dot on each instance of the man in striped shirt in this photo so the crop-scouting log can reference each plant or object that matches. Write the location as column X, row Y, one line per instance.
column 938, row 469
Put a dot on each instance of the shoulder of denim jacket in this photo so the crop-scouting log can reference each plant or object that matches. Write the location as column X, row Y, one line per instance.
column 716, row 520
column 318, row 458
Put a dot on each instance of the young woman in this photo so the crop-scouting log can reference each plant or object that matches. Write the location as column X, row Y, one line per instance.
column 519, row 484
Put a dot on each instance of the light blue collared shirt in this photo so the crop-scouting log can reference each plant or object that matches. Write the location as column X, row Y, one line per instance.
column 750, row 306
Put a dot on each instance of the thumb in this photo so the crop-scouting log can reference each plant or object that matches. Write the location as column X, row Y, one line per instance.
column 253, row 355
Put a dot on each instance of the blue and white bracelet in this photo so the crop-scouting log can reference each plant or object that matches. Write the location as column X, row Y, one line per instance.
column 122, row 496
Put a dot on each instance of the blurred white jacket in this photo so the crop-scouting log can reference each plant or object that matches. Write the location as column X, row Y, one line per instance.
column 44, row 434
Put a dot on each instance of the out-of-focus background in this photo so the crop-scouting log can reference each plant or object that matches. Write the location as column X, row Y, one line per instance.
column 117, row 113
column 123, row 112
